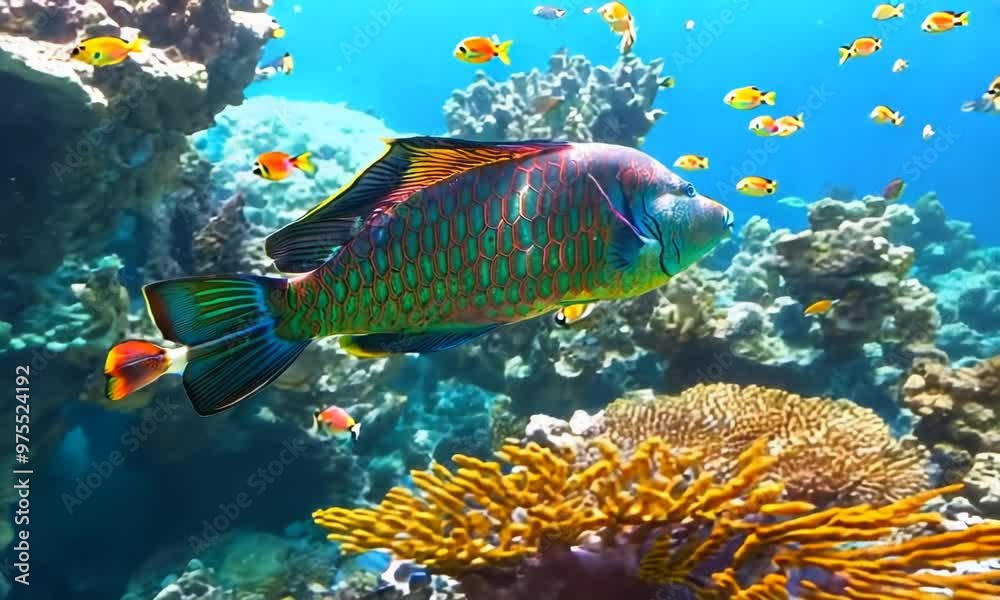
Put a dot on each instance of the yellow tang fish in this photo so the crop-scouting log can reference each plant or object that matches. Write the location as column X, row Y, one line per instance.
column 574, row 313
column 884, row 12
column 618, row 16
column 820, row 307
column 882, row 114
column 757, row 186
column 107, row 50
column 863, row 46
column 691, row 162
column 748, row 97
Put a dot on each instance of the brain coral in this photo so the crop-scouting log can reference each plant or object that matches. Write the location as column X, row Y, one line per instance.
column 828, row 452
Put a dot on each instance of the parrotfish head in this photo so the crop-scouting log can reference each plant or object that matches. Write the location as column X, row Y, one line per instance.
column 683, row 224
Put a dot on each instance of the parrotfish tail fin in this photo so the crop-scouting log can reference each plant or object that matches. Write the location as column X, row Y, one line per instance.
column 355, row 431
column 772, row 187
column 503, row 52
column 704, row 162
column 305, row 164
column 138, row 44
column 229, row 325
column 845, row 53
column 131, row 365
column 962, row 19
column 897, row 119
column 768, row 98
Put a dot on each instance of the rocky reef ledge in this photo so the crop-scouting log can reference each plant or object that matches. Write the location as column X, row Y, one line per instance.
column 95, row 142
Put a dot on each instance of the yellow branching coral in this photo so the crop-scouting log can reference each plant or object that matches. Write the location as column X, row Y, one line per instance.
column 830, row 452
column 707, row 537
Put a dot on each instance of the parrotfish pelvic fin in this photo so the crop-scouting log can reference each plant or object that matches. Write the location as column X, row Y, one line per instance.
column 382, row 344
column 407, row 166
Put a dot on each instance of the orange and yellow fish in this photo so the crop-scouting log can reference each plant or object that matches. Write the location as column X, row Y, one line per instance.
column 945, row 20
column 691, row 162
column 574, row 313
column 746, row 98
column 107, row 50
column 133, row 364
column 478, row 50
column 882, row 114
column 277, row 31
column 884, row 12
column 335, row 421
column 618, row 16
column 757, row 186
column 789, row 124
column 863, row 46
column 820, row 307
column 276, row 166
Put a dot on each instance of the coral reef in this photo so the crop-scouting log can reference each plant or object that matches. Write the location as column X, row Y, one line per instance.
column 828, row 452
column 573, row 101
column 544, row 529
column 958, row 417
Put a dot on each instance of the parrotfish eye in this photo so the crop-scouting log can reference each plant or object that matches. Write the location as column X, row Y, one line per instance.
column 690, row 191
column 76, row 51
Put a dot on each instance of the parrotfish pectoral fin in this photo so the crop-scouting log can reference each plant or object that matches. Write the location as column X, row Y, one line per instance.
column 408, row 165
column 229, row 324
column 381, row 344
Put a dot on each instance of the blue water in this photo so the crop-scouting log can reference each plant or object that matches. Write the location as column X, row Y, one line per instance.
column 403, row 69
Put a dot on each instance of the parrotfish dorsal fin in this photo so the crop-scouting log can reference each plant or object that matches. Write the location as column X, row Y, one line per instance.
column 408, row 165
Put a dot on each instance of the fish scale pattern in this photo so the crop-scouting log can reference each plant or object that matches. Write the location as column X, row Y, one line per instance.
column 488, row 246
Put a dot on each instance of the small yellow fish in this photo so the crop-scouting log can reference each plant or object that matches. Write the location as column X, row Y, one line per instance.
column 667, row 82
column 277, row 31
column 884, row 12
column 928, row 132
column 106, row 51
column 757, row 186
column 748, row 97
column 882, row 114
column 276, row 166
column 478, row 50
column 900, row 65
column 691, row 162
column 620, row 19
column 863, row 46
column 945, row 20
column 789, row 124
column 994, row 89
column 820, row 307
column 764, row 126
column 574, row 313
column 287, row 63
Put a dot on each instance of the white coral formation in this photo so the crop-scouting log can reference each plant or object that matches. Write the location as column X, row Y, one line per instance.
column 591, row 104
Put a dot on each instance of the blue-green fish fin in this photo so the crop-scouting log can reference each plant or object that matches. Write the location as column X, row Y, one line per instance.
column 376, row 344
column 229, row 325
column 407, row 166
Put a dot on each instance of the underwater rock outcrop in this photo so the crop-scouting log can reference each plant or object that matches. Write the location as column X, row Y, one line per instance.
column 573, row 100
column 535, row 526
column 96, row 142
column 958, row 417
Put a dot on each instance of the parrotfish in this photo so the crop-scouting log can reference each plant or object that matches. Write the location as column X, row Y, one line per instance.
column 437, row 243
